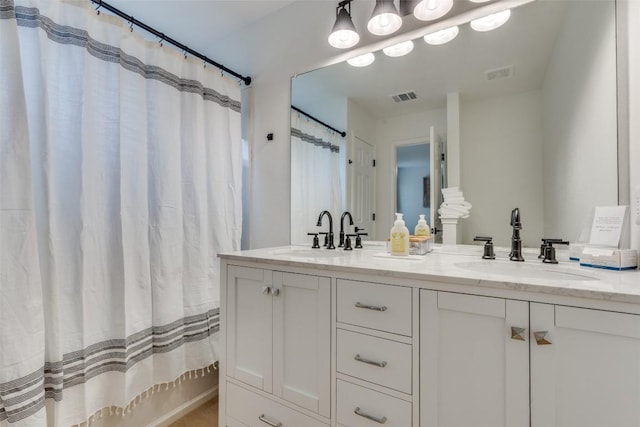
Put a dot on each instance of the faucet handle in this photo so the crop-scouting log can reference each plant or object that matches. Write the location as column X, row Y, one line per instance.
column 488, row 247
column 359, row 239
column 358, row 229
column 550, row 251
column 347, row 242
column 316, row 241
column 544, row 245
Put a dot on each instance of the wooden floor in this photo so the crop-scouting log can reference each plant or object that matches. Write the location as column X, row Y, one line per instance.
column 205, row 416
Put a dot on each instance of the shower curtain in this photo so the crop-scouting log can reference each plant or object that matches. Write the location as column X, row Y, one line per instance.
column 317, row 177
column 120, row 181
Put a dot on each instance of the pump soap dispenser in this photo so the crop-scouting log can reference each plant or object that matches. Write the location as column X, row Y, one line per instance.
column 422, row 228
column 399, row 238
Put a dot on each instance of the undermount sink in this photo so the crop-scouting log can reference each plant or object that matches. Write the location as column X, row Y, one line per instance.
column 518, row 269
column 308, row 253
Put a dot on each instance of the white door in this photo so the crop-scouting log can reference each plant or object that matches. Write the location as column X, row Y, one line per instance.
column 302, row 340
column 249, row 323
column 585, row 372
column 362, row 185
column 472, row 372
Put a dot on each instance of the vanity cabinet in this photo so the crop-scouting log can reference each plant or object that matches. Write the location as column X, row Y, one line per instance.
column 498, row 362
column 472, row 373
column 278, row 330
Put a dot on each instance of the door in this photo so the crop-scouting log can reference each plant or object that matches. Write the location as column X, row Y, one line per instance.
column 302, row 340
column 472, row 372
column 362, row 185
column 585, row 367
column 249, row 322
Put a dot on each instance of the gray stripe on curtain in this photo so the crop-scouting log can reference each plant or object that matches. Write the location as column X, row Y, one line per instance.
column 30, row 17
column 313, row 140
column 107, row 356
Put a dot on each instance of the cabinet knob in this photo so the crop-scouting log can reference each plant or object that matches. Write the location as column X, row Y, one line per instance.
column 518, row 333
column 275, row 292
column 267, row 421
column 379, row 420
column 541, row 337
column 266, row 290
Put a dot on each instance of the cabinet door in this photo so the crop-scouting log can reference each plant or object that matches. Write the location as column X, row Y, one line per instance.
column 249, row 318
column 302, row 340
column 585, row 371
column 472, row 372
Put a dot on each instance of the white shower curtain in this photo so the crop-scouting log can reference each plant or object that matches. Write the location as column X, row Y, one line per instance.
column 317, row 177
column 120, row 181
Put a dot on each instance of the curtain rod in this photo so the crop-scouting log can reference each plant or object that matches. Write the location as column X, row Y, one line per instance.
column 343, row 134
column 164, row 38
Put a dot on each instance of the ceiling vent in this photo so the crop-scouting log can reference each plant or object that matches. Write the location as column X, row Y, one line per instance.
column 402, row 97
column 500, row 73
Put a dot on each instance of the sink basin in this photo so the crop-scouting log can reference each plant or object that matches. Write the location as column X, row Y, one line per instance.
column 517, row 269
column 308, row 253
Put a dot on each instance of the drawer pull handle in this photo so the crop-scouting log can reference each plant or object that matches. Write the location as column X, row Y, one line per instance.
column 370, row 362
column 371, row 307
column 541, row 338
column 267, row 421
column 370, row 417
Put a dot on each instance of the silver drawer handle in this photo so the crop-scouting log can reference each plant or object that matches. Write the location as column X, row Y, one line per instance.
column 370, row 417
column 271, row 423
column 371, row 307
column 370, row 362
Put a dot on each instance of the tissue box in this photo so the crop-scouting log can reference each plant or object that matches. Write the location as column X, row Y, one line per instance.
column 575, row 251
column 609, row 259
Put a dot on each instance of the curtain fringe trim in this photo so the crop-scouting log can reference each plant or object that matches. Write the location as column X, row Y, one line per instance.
column 145, row 395
column 297, row 133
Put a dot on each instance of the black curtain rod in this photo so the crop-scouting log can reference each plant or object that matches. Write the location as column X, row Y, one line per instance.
column 343, row 134
column 164, row 38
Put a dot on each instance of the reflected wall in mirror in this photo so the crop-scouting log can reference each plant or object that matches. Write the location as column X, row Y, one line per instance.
column 532, row 107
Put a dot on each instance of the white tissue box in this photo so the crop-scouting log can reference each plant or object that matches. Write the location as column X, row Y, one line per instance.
column 575, row 251
column 609, row 259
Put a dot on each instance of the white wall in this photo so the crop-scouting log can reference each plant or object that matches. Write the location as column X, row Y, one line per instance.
column 392, row 131
column 510, row 125
column 634, row 105
column 580, row 156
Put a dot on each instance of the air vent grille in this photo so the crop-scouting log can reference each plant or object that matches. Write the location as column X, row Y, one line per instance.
column 403, row 97
column 500, row 73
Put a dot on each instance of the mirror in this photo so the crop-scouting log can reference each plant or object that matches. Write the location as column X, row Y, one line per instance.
column 527, row 114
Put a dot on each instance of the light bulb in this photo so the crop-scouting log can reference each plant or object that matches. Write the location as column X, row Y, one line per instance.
column 384, row 19
column 442, row 36
column 399, row 49
column 428, row 10
column 491, row 22
column 362, row 60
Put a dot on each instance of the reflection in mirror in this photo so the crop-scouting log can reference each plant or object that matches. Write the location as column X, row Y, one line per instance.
column 527, row 112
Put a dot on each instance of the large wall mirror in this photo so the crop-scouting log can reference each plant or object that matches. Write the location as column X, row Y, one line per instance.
column 527, row 114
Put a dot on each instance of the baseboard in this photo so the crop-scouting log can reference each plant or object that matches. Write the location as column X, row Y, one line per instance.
column 185, row 408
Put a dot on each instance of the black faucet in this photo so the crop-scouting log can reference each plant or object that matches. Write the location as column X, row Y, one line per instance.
column 330, row 244
column 516, row 242
column 341, row 239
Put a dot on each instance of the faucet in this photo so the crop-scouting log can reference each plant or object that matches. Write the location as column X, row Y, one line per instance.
column 516, row 242
column 330, row 244
column 341, row 240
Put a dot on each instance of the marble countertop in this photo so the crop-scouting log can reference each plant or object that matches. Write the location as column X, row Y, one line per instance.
column 462, row 264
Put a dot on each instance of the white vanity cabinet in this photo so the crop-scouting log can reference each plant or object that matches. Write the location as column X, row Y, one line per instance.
column 278, row 341
column 585, row 372
column 472, row 372
column 497, row 362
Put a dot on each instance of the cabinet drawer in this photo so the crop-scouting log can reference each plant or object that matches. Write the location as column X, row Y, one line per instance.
column 373, row 352
column 354, row 400
column 251, row 409
column 371, row 305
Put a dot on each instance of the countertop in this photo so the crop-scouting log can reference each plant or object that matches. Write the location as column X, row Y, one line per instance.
column 461, row 264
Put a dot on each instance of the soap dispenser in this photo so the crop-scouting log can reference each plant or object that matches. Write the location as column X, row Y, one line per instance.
column 422, row 228
column 399, row 237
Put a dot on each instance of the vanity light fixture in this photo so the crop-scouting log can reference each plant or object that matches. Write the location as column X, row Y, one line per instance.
column 344, row 34
column 385, row 19
column 428, row 10
column 491, row 22
column 399, row 49
column 442, row 36
column 362, row 60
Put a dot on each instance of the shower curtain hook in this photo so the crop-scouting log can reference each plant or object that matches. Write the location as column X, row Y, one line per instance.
column 131, row 21
column 99, row 6
column 184, row 52
column 161, row 39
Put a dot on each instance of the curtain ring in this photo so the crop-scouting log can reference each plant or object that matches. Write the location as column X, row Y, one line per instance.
column 131, row 21
column 184, row 53
column 161, row 39
column 99, row 6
